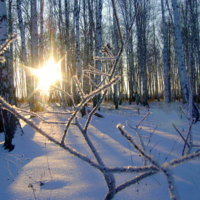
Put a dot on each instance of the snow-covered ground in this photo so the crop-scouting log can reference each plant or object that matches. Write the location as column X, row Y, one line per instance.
column 36, row 161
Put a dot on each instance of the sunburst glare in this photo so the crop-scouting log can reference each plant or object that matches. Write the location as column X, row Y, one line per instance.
column 48, row 74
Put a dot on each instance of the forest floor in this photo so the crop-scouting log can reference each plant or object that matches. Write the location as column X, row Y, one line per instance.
column 39, row 169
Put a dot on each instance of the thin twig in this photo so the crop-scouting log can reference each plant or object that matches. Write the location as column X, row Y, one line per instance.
column 142, row 120
column 140, row 139
column 180, row 134
column 185, row 113
column 188, row 135
column 95, row 85
column 164, row 168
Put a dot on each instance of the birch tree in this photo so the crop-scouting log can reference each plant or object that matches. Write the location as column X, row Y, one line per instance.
column 85, row 50
column 78, row 52
column 115, row 34
column 179, row 50
column 141, row 25
column 98, row 41
column 127, row 15
column 9, row 122
column 67, row 43
column 90, row 33
column 34, row 52
column 180, row 57
column 165, row 56
column 155, row 63
column 194, row 23
column 41, row 42
column 24, row 50
column 61, row 50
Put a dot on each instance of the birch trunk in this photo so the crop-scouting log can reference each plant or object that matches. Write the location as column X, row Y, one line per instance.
column 141, row 24
column 78, row 52
column 85, row 58
column 41, row 32
column 195, row 40
column 11, row 69
column 91, row 33
column 61, row 51
column 155, row 65
column 34, row 53
column 98, row 40
column 165, row 57
column 116, row 51
column 67, row 79
column 179, row 50
column 24, row 51
column 181, row 64
column 6, row 87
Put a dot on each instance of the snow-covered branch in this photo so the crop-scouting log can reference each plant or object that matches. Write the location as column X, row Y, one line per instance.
column 164, row 168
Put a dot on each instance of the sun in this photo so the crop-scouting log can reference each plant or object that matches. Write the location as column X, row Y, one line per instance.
column 48, row 74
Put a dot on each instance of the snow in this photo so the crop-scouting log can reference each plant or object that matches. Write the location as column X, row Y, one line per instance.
column 36, row 161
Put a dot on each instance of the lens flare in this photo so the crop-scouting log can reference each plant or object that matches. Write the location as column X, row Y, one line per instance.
column 47, row 75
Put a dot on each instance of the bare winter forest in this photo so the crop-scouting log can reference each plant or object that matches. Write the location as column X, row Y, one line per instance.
column 64, row 65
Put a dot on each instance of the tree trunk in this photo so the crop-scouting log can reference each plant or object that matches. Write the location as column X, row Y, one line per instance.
column 98, row 40
column 8, row 121
column 85, row 58
column 165, row 57
column 24, row 51
column 179, row 50
column 67, row 79
column 34, row 54
column 78, row 52
column 115, row 34
column 181, row 65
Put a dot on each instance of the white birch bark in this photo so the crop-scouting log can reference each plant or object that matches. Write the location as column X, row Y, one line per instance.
column 41, row 32
column 130, row 56
column 141, row 24
column 133, row 83
column 116, row 71
column 98, row 38
column 23, row 46
column 34, row 33
column 67, row 43
column 11, row 70
column 6, row 84
column 194, row 23
column 155, row 64
column 78, row 52
column 165, row 56
column 91, row 31
column 34, row 52
column 98, row 41
column 179, row 50
column 85, row 58
column 61, row 50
